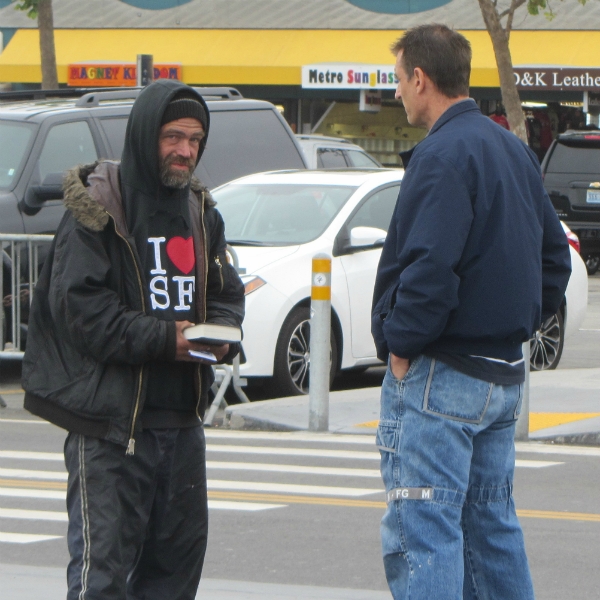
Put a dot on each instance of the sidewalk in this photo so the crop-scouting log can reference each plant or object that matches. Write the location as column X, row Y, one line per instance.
column 33, row 583
column 564, row 407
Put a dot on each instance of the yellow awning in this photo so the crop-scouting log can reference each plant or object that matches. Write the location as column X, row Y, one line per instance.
column 274, row 57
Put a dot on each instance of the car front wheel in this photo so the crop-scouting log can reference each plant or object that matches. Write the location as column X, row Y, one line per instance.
column 292, row 356
column 547, row 345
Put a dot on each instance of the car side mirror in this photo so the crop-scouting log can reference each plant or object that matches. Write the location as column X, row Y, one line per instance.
column 36, row 195
column 367, row 236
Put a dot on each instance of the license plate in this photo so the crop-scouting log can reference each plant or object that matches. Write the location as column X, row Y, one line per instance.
column 593, row 197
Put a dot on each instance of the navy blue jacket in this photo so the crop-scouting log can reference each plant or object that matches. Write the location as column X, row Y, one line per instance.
column 475, row 255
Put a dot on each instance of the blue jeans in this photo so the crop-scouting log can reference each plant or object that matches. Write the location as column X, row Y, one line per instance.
column 450, row 531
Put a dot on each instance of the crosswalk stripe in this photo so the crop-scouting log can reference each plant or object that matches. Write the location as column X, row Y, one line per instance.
column 22, row 489
column 278, row 451
column 29, row 493
column 539, row 448
column 285, row 468
column 35, row 515
column 53, row 515
column 288, row 488
column 535, row 464
column 292, row 436
column 26, row 474
column 59, row 456
column 243, row 506
column 25, row 538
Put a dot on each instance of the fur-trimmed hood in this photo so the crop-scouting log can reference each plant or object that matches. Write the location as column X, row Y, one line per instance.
column 92, row 194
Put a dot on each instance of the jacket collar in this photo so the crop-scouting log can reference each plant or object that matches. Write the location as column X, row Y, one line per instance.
column 456, row 109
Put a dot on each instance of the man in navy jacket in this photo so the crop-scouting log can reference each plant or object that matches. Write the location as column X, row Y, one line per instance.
column 474, row 260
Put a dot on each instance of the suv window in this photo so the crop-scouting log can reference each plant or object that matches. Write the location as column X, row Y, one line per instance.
column 114, row 128
column 254, row 151
column 377, row 210
column 14, row 141
column 574, row 159
column 360, row 159
column 330, row 158
column 66, row 145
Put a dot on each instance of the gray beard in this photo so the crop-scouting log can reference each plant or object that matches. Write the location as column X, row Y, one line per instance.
column 174, row 179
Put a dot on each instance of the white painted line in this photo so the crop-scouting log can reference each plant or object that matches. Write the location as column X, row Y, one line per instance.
column 292, row 436
column 32, row 455
column 539, row 448
column 25, row 538
column 34, row 515
column 25, row 474
column 535, row 464
column 284, row 468
column 27, row 421
column 276, row 451
column 32, row 493
column 289, row 488
column 243, row 506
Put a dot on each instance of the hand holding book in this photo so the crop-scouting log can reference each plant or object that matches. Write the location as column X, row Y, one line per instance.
column 201, row 349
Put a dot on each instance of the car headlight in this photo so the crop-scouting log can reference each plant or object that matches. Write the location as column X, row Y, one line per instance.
column 252, row 283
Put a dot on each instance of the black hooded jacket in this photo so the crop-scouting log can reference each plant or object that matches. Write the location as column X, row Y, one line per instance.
column 91, row 335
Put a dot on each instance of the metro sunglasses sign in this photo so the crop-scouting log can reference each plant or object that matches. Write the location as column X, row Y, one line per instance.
column 115, row 74
column 348, row 76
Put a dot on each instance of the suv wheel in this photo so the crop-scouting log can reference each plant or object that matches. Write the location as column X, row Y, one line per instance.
column 592, row 262
column 547, row 345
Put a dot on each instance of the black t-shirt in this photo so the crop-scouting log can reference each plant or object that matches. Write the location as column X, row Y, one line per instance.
column 170, row 274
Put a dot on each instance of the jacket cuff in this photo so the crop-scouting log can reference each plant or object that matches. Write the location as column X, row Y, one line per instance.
column 170, row 349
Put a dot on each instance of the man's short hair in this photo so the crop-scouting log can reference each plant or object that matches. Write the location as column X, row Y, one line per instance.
column 444, row 56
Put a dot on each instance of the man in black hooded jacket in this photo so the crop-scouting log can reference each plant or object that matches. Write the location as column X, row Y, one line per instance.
column 138, row 257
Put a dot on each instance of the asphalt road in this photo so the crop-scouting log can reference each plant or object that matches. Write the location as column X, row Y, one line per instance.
column 287, row 510
column 264, row 531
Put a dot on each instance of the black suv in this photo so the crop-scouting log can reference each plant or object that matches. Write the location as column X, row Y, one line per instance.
column 42, row 135
column 571, row 170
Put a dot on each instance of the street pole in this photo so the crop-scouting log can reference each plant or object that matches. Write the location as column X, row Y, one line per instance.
column 522, row 429
column 320, row 344
column 145, row 70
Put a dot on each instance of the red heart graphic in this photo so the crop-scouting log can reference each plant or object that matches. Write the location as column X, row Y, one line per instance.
column 181, row 253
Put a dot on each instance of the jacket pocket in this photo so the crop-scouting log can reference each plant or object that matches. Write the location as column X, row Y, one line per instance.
column 454, row 395
column 386, row 302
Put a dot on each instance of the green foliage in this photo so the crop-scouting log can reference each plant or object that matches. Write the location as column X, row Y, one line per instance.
column 29, row 6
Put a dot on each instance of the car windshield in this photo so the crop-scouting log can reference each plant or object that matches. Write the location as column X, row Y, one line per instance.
column 278, row 214
column 14, row 142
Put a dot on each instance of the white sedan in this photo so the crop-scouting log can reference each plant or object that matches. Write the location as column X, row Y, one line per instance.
column 277, row 222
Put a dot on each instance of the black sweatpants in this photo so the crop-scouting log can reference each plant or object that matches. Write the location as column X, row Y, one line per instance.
column 137, row 524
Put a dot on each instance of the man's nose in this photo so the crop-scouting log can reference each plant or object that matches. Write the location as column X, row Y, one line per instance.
column 184, row 148
column 398, row 94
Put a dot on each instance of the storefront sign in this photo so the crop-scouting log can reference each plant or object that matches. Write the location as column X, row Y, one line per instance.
column 557, row 78
column 115, row 74
column 347, row 76
column 370, row 101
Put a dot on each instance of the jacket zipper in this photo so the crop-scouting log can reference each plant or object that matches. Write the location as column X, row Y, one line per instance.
column 131, row 443
column 205, row 283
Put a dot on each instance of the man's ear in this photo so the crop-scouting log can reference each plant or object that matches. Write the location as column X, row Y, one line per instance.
column 420, row 80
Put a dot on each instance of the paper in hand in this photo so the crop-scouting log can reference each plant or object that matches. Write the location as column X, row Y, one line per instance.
column 203, row 354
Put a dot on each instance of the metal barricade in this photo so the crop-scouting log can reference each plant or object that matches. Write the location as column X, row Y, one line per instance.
column 226, row 375
column 20, row 268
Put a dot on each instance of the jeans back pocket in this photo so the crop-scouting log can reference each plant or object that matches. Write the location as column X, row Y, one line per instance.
column 454, row 395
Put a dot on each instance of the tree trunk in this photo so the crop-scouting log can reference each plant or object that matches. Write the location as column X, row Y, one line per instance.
column 47, row 52
column 508, row 85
